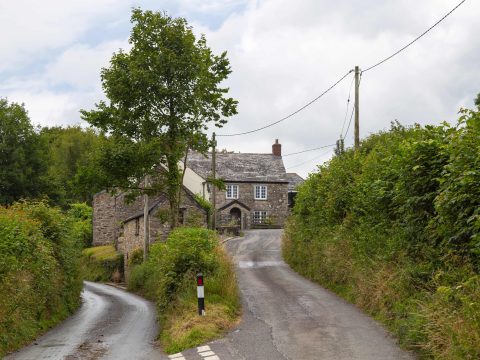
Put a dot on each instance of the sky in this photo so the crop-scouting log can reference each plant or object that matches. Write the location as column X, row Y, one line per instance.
column 283, row 54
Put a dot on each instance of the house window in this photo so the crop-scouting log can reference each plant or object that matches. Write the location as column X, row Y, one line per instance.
column 232, row 191
column 137, row 226
column 260, row 192
column 259, row 217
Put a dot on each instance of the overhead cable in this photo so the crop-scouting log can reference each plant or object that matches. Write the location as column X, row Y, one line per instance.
column 348, row 105
column 414, row 40
column 293, row 113
column 307, row 161
column 304, row 151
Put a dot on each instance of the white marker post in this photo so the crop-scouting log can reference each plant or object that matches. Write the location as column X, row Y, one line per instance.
column 200, row 294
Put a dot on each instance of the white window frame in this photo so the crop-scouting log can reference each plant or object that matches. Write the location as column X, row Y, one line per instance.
column 262, row 195
column 259, row 216
column 233, row 194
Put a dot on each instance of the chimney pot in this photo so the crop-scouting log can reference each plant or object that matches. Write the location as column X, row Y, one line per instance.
column 277, row 148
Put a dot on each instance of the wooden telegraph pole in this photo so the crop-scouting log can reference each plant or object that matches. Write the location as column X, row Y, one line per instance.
column 214, row 187
column 146, row 223
column 357, row 108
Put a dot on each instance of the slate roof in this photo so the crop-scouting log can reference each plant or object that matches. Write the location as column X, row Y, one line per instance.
column 241, row 167
column 293, row 181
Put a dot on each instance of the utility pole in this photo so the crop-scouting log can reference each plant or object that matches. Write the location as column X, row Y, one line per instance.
column 357, row 108
column 146, row 223
column 214, row 187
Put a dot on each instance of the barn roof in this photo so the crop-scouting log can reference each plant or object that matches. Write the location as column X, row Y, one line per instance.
column 241, row 167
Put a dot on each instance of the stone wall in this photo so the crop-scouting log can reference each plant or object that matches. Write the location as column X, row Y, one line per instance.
column 130, row 240
column 276, row 204
column 104, row 224
column 108, row 214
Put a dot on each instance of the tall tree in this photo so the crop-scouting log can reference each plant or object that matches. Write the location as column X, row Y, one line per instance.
column 162, row 94
column 477, row 101
column 67, row 149
column 21, row 161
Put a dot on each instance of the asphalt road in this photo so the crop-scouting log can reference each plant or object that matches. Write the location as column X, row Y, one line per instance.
column 285, row 316
column 289, row 317
column 111, row 324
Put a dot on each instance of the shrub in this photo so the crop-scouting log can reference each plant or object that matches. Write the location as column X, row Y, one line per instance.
column 82, row 213
column 395, row 228
column 39, row 272
column 186, row 252
column 168, row 278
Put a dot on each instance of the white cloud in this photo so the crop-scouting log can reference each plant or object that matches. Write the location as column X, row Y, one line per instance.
column 283, row 54
column 33, row 29
column 79, row 66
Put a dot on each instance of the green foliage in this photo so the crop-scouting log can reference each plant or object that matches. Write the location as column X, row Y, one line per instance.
column 22, row 162
column 39, row 271
column 41, row 163
column 102, row 263
column 395, row 228
column 136, row 257
column 82, row 227
column 161, row 94
column 457, row 224
column 66, row 151
column 186, row 252
column 168, row 278
column 204, row 203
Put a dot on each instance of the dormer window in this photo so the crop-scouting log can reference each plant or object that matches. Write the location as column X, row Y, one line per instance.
column 232, row 191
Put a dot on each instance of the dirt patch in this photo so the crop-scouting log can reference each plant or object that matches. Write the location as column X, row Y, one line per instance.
column 89, row 351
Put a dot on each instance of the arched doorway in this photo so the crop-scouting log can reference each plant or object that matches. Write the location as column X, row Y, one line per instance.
column 236, row 215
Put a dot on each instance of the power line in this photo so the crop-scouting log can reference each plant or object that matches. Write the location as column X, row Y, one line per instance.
column 348, row 104
column 414, row 40
column 316, row 157
column 350, row 121
column 304, row 151
column 293, row 113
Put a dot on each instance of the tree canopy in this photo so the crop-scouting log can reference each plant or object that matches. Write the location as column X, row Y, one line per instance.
column 21, row 163
column 162, row 95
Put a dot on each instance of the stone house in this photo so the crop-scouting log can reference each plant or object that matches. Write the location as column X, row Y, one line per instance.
column 256, row 192
column 256, row 195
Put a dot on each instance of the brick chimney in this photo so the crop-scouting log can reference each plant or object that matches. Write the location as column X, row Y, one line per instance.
column 277, row 148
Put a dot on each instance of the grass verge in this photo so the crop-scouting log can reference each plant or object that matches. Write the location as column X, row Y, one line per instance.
column 102, row 263
column 169, row 279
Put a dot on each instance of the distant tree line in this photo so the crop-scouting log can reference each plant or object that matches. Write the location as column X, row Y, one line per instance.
column 41, row 162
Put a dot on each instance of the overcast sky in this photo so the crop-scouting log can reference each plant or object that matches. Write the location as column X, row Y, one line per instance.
column 283, row 54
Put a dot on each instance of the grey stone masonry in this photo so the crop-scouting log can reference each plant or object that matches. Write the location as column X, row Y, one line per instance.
column 276, row 204
column 109, row 211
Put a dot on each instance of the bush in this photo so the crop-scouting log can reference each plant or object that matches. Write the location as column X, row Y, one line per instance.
column 395, row 228
column 40, row 282
column 82, row 213
column 168, row 278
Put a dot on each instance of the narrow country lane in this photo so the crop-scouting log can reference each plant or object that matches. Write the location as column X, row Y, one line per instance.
column 285, row 316
column 111, row 324
column 289, row 317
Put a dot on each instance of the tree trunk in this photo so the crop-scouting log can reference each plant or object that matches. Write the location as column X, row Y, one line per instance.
column 173, row 189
